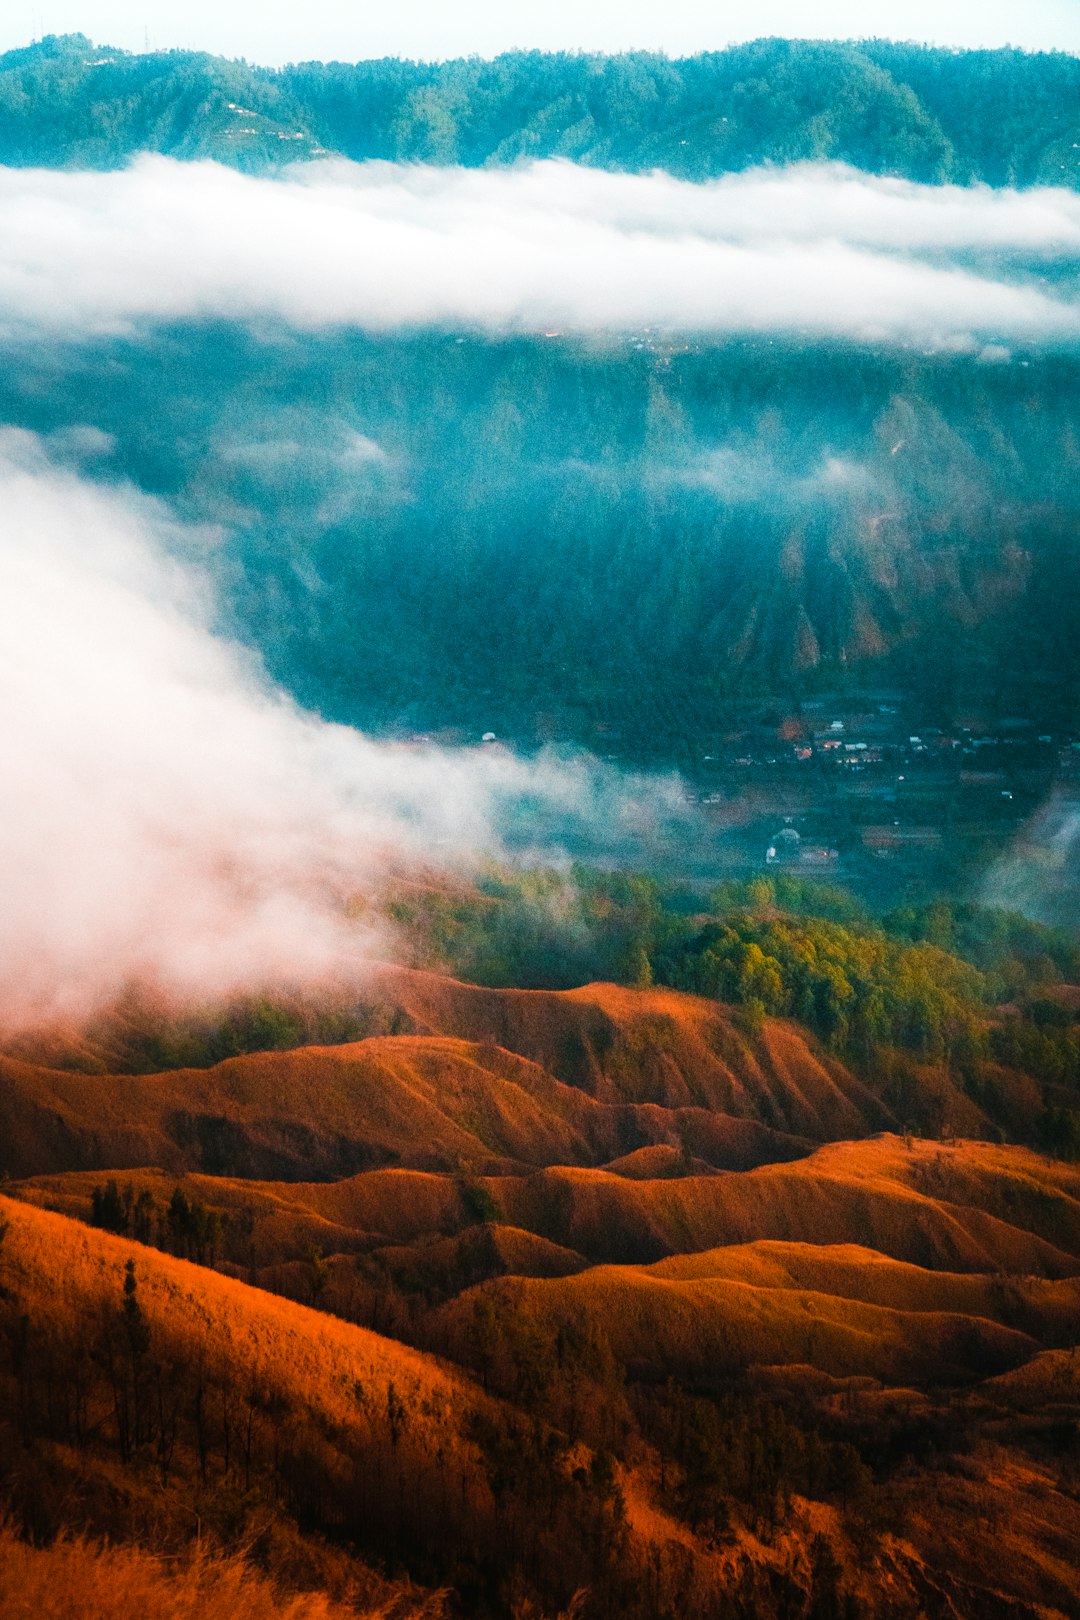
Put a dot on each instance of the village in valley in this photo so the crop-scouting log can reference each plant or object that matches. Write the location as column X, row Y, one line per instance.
column 857, row 786
column 843, row 785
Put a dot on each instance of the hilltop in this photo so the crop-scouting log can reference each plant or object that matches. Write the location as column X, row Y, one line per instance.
column 494, row 1081
column 491, row 1079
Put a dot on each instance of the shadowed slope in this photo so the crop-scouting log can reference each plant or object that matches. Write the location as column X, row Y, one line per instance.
column 63, row 1269
column 168, row 1401
column 217, row 1400
column 375, row 1443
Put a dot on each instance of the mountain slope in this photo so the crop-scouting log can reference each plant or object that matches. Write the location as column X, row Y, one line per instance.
column 967, row 1208
column 1002, row 116
column 87, row 1581
column 162, row 1402
column 362, row 1436
column 181, row 1398
column 649, row 1046
column 791, row 1305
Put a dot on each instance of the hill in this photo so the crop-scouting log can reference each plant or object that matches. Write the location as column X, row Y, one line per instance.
column 657, row 1047
column 492, row 1080
column 842, row 1309
column 968, row 1209
column 683, row 1386
column 156, row 1401
column 187, row 1396
column 1004, row 117
column 161, row 1397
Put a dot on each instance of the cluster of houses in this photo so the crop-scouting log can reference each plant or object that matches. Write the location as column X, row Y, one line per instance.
column 867, row 783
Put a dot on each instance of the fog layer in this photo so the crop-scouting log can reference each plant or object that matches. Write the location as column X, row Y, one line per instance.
column 547, row 246
column 171, row 820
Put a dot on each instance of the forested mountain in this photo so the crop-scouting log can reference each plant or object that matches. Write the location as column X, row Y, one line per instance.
column 1005, row 117
column 649, row 527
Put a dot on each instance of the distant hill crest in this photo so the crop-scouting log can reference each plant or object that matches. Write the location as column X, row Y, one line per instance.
column 1002, row 117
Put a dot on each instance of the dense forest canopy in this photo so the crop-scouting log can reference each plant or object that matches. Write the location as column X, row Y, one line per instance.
column 1004, row 117
column 650, row 529
column 726, row 513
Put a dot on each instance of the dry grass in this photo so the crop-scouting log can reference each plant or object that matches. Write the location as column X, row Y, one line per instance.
column 496, row 1078
column 77, row 1579
column 421, row 1101
column 648, row 1046
column 965, row 1208
column 703, row 1328
column 65, row 1272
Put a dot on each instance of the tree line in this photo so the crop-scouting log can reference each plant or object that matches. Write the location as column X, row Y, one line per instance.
column 1002, row 116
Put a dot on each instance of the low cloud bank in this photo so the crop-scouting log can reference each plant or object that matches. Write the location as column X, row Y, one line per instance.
column 173, row 822
column 546, row 247
column 1040, row 874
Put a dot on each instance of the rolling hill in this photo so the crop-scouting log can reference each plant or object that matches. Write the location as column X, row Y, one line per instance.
column 491, row 1080
column 583, row 1078
column 779, row 1304
column 279, row 1423
column 983, row 1232
column 605, row 1285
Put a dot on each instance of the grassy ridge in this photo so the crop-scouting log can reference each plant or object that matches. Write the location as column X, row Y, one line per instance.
column 129, row 1418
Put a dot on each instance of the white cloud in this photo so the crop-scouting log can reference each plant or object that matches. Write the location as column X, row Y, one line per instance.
column 1040, row 874
column 545, row 247
column 171, row 820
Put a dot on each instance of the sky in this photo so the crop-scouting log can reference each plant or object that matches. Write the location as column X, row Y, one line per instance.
column 276, row 31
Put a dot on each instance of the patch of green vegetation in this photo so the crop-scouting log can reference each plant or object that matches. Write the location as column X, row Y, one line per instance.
column 921, row 985
column 973, row 990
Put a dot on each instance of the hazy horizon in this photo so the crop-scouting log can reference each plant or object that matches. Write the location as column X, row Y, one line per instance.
column 276, row 34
